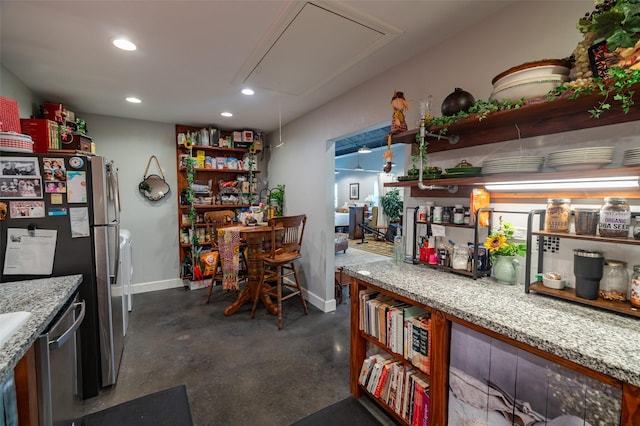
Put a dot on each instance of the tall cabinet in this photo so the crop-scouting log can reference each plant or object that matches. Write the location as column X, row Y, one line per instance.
column 211, row 176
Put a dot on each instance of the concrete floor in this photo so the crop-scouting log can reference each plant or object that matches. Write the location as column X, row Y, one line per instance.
column 237, row 371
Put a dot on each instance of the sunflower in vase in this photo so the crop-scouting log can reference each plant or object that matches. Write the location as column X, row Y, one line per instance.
column 498, row 243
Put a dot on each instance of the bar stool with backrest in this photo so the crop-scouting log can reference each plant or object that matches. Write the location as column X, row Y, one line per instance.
column 215, row 220
column 278, row 261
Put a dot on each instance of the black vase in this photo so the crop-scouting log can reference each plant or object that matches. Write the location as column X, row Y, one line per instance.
column 457, row 101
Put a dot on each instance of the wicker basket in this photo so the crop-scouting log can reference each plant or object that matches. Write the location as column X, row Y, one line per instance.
column 15, row 142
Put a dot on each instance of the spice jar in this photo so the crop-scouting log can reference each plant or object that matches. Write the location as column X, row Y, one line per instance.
column 558, row 214
column 615, row 218
column 437, row 214
column 634, row 295
column 615, row 279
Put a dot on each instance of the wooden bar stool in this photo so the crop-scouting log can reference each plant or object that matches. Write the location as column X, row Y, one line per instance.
column 278, row 261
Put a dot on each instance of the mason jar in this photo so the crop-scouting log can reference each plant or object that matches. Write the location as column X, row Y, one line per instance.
column 615, row 218
column 557, row 215
column 634, row 290
column 615, row 280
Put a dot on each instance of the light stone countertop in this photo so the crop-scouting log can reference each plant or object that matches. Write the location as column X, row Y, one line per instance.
column 596, row 339
column 44, row 298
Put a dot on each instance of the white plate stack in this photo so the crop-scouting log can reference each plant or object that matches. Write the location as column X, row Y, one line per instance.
column 631, row 157
column 522, row 164
column 581, row 158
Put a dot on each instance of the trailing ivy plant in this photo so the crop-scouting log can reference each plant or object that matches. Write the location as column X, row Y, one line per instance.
column 618, row 21
column 617, row 87
column 481, row 109
column 190, row 168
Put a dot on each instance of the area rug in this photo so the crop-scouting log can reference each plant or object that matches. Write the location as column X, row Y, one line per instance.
column 348, row 412
column 383, row 248
column 169, row 407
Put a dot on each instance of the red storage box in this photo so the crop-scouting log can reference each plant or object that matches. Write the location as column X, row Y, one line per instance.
column 43, row 132
column 9, row 116
column 54, row 111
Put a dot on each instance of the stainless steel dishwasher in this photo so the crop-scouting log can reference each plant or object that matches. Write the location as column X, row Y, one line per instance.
column 59, row 373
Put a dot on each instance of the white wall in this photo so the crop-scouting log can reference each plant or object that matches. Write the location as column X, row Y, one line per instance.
column 528, row 31
column 153, row 225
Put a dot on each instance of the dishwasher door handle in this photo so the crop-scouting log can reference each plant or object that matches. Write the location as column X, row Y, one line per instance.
column 55, row 344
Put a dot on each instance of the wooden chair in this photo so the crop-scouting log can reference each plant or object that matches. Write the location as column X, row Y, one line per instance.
column 215, row 220
column 278, row 261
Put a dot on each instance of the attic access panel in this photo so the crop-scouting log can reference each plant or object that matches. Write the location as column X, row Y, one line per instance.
column 315, row 46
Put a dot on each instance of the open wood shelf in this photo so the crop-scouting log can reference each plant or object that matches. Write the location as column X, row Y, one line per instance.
column 630, row 241
column 536, row 118
column 455, row 271
column 216, row 148
column 570, row 295
column 395, row 355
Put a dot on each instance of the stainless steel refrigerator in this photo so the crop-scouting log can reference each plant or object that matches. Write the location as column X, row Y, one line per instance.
column 75, row 198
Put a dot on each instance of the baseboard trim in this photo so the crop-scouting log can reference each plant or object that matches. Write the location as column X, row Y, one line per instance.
column 156, row 285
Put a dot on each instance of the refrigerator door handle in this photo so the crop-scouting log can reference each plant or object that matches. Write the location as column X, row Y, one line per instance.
column 116, row 267
column 55, row 344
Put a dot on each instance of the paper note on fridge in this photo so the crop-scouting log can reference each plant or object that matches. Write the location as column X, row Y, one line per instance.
column 30, row 253
column 79, row 217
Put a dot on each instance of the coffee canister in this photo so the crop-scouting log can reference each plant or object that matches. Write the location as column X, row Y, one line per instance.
column 588, row 266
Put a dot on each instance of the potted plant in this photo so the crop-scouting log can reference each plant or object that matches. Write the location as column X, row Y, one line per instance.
column 392, row 205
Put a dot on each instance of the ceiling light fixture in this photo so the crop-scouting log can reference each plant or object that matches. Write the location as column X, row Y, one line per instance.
column 358, row 167
column 364, row 150
column 585, row 183
column 226, row 114
column 133, row 100
column 247, row 92
column 280, row 143
column 124, row 44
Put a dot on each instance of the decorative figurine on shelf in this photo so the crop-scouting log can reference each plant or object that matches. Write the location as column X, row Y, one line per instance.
column 400, row 106
column 388, row 156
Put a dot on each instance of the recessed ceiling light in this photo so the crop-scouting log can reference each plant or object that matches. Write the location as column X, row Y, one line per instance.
column 226, row 114
column 124, row 44
column 133, row 100
column 247, row 92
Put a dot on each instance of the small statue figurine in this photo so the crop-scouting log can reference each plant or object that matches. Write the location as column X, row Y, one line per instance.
column 400, row 106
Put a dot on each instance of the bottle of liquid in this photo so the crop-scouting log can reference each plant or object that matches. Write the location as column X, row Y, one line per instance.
column 398, row 249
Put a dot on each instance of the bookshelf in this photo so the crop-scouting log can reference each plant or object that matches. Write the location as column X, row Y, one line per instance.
column 398, row 337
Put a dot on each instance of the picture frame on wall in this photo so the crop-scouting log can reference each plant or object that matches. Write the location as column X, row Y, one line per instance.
column 354, row 191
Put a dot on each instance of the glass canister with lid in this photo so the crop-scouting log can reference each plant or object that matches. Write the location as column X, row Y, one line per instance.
column 557, row 215
column 615, row 280
column 634, row 290
column 615, row 218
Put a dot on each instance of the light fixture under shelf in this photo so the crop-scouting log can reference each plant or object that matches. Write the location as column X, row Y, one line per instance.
column 364, row 150
column 581, row 183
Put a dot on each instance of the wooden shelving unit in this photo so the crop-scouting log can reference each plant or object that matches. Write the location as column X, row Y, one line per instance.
column 214, row 175
column 569, row 293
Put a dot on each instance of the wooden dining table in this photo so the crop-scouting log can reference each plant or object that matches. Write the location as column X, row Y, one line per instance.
column 254, row 235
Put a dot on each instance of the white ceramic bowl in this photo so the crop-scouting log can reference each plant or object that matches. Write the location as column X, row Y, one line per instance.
column 555, row 284
column 532, row 69
column 528, row 90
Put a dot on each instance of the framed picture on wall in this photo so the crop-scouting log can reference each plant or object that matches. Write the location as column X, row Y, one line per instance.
column 354, row 191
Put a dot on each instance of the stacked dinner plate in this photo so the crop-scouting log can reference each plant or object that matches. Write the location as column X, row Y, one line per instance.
column 520, row 164
column 580, row 158
column 631, row 157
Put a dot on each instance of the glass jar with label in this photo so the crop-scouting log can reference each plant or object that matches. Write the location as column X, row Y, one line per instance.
column 636, row 228
column 615, row 218
column 458, row 214
column 615, row 280
column 634, row 294
column 460, row 257
column 437, row 214
column 557, row 215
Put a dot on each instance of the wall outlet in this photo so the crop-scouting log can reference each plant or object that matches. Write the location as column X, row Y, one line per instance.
column 520, row 234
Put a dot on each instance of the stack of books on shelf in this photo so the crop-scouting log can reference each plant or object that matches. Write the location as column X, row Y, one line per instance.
column 403, row 389
column 402, row 328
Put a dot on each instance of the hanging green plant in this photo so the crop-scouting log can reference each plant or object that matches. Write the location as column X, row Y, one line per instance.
column 617, row 87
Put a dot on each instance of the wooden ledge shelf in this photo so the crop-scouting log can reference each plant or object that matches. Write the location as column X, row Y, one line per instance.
column 570, row 295
column 538, row 117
